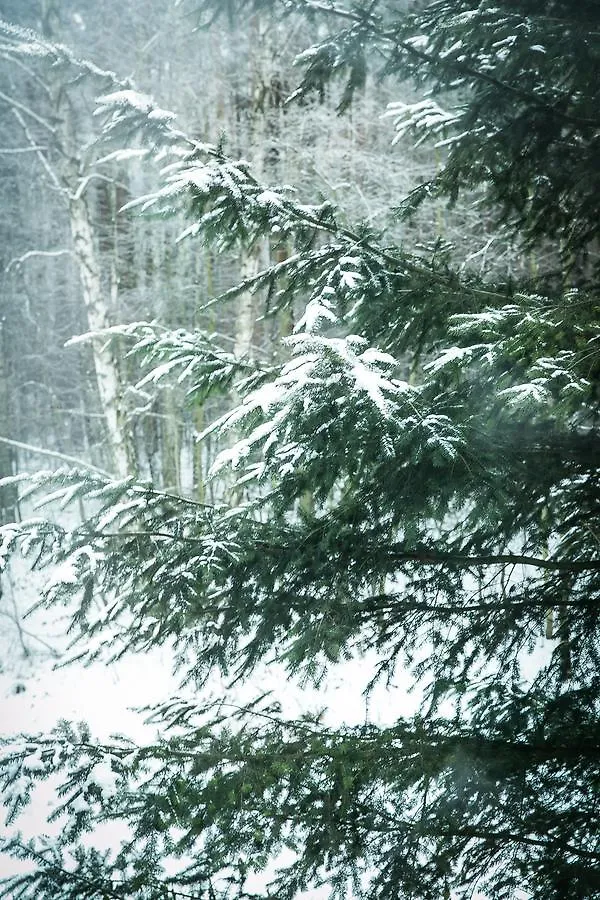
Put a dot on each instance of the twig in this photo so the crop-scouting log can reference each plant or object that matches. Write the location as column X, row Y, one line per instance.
column 4, row 151
column 15, row 105
column 16, row 620
column 45, row 164
column 31, row 254
column 29, row 634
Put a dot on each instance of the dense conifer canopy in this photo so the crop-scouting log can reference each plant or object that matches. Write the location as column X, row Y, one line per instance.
column 417, row 481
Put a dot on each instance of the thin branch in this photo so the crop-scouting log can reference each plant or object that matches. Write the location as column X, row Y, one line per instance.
column 427, row 557
column 505, row 836
column 16, row 105
column 392, row 603
column 511, row 89
column 14, row 60
column 30, row 634
column 31, row 254
column 56, row 52
column 16, row 619
column 496, row 560
column 176, row 497
column 6, row 151
column 161, row 535
column 42, row 158
column 398, row 263
column 85, row 181
column 54, row 453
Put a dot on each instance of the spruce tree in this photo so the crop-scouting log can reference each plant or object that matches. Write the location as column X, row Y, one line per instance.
column 417, row 479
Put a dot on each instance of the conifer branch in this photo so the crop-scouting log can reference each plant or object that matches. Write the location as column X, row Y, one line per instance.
column 505, row 837
column 391, row 37
column 491, row 559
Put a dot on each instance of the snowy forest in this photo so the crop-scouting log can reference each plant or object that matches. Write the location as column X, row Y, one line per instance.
column 299, row 449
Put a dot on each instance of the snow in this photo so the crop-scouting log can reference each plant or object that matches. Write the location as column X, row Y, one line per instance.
column 269, row 198
column 124, row 155
column 202, row 177
column 315, row 313
column 65, row 573
column 372, row 383
column 525, row 393
column 350, row 279
column 35, row 694
column 372, row 355
column 425, row 115
column 104, row 778
column 135, row 99
column 419, row 41
column 266, row 396
column 34, row 762
column 457, row 45
column 162, row 115
column 449, row 356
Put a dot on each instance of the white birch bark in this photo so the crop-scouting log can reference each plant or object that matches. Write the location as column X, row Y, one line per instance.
column 253, row 258
column 110, row 389
column 250, row 264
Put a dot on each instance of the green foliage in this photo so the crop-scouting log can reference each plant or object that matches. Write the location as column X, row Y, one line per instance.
column 416, row 481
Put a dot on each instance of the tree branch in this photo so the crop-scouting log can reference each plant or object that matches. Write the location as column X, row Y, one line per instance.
column 54, row 453
column 461, row 68
column 502, row 837
column 395, row 602
column 429, row 558
column 31, row 254
column 16, row 105
column 45, row 164
column 6, row 151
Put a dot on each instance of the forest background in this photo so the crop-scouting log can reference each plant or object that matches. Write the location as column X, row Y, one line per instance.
column 227, row 84
column 299, row 374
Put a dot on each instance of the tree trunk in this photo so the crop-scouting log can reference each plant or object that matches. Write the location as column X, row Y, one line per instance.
column 105, row 364
column 258, row 137
column 8, row 493
column 171, row 442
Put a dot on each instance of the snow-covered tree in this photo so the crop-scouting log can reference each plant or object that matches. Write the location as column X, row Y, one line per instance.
column 444, row 427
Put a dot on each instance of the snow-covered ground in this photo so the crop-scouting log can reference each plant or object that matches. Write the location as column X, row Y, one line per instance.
column 37, row 691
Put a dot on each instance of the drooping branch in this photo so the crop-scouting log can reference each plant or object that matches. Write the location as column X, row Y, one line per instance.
column 30, row 448
column 494, row 559
column 428, row 557
column 461, row 68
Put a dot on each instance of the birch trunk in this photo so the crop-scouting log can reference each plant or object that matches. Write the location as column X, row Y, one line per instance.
column 71, row 179
column 171, row 432
column 258, row 134
column 106, row 365
column 250, row 264
column 8, row 493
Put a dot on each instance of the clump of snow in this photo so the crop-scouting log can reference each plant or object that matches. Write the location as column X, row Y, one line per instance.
column 317, row 311
column 162, row 115
column 269, row 198
column 134, row 99
column 449, row 356
column 125, row 155
column 105, row 779
column 34, row 762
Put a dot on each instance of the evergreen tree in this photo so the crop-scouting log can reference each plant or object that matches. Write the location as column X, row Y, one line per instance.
column 418, row 479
